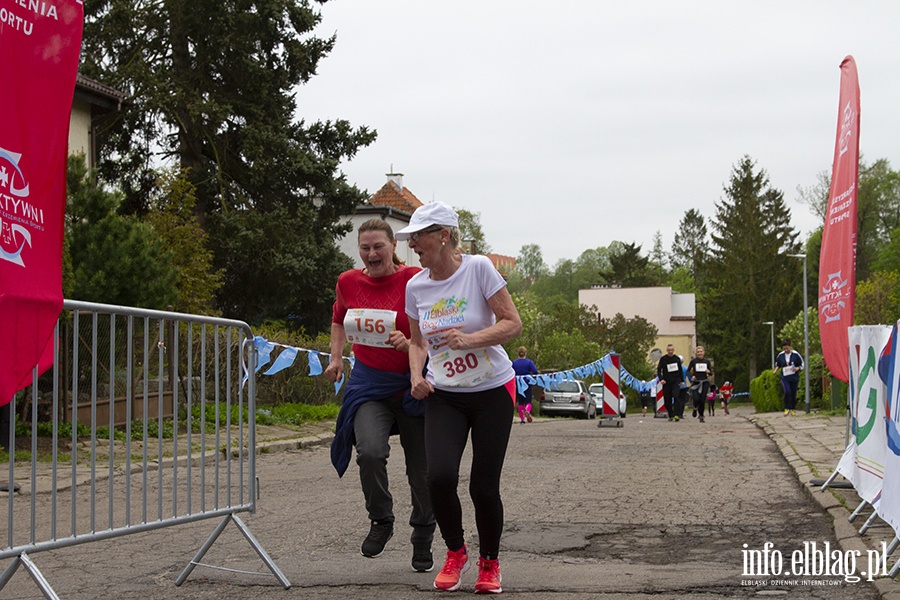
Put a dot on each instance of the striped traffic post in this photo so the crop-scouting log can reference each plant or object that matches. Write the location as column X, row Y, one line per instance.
column 611, row 391
column 660, row 401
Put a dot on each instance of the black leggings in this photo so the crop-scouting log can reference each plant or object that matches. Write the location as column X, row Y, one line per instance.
column 671, row 393
column 449, row 417
column 699, row 390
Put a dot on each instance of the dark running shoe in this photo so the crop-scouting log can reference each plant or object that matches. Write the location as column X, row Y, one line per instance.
column 422, row 559
column 379, row 534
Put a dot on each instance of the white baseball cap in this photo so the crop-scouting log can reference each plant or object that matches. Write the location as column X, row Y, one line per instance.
column 436, row 213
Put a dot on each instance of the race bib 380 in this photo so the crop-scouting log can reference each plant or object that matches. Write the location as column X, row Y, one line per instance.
column 461, row 368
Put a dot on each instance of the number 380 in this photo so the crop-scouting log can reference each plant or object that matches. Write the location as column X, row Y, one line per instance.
column 461, row 364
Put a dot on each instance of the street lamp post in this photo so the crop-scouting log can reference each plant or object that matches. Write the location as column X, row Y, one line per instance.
column 805, row 332
column 771, row 325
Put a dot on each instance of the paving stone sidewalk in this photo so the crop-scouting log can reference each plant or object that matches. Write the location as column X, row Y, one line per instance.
column 812, row 445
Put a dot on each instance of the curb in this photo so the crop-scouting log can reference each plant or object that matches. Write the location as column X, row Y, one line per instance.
column 293, row 443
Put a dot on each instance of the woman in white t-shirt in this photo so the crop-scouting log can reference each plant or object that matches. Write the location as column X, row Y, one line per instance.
column 460, row 313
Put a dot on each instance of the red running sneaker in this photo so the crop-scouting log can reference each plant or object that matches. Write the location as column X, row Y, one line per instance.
column 457, row 563
column 489, row 577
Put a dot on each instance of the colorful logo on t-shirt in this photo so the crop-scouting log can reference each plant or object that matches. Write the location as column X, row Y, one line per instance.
column 445, row 314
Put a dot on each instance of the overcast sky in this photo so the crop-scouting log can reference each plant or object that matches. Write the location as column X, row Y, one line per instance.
column 575, row 123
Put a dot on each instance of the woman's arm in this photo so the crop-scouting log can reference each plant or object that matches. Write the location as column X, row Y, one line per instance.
column 508, row 325
column 418, row 352
column 335, row 368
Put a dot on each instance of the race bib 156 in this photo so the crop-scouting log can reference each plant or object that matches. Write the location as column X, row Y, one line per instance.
column 369, row 327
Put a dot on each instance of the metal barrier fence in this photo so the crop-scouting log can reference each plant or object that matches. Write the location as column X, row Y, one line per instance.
column 149, row 421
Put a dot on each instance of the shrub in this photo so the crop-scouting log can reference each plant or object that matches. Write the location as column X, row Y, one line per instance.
column 818, row 373
column 767, row 395
column 765, row 392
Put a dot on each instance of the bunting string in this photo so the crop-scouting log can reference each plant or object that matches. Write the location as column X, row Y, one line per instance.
column 288, row 355
column 551, row 380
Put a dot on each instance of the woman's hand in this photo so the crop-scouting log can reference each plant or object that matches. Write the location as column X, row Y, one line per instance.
column 420, row 387
column 334, row 371
column 398, row 340
column 457, row 340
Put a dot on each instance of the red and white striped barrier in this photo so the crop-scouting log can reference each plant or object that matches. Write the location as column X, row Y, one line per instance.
column 611, row 387
column 660, row 401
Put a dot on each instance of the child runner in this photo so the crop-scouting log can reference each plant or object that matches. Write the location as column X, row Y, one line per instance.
column 725, row 393
column 711, row 399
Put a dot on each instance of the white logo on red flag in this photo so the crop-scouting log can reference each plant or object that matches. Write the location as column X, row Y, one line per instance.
column 16, row 213
column 8, row 180
column 846, row 134
column 832, row 301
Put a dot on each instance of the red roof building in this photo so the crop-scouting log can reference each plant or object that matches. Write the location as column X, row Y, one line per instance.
column 504, row 264
column 393, row 195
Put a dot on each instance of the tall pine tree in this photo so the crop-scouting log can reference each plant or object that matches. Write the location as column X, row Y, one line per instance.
column 750, row 278
column 691, row 247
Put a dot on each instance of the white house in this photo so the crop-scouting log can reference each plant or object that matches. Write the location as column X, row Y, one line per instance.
column 674, row 314
column 92, row 99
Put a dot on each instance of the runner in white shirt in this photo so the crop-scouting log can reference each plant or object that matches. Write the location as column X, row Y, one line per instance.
column 460, row 313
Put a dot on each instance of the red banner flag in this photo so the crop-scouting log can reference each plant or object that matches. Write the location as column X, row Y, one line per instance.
column 837, row 261
column 39, row 45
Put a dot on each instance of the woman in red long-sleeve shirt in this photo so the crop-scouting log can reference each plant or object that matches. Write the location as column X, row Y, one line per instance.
column 370, row 312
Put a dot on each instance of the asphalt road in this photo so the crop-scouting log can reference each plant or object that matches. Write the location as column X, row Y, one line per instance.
column 652, row 509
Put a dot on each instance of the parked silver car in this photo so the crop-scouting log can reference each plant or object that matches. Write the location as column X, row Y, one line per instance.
column 597, row 390
column 568, row 398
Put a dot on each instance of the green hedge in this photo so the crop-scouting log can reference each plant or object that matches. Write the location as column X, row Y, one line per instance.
column 767, row 396
column 765, row 392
